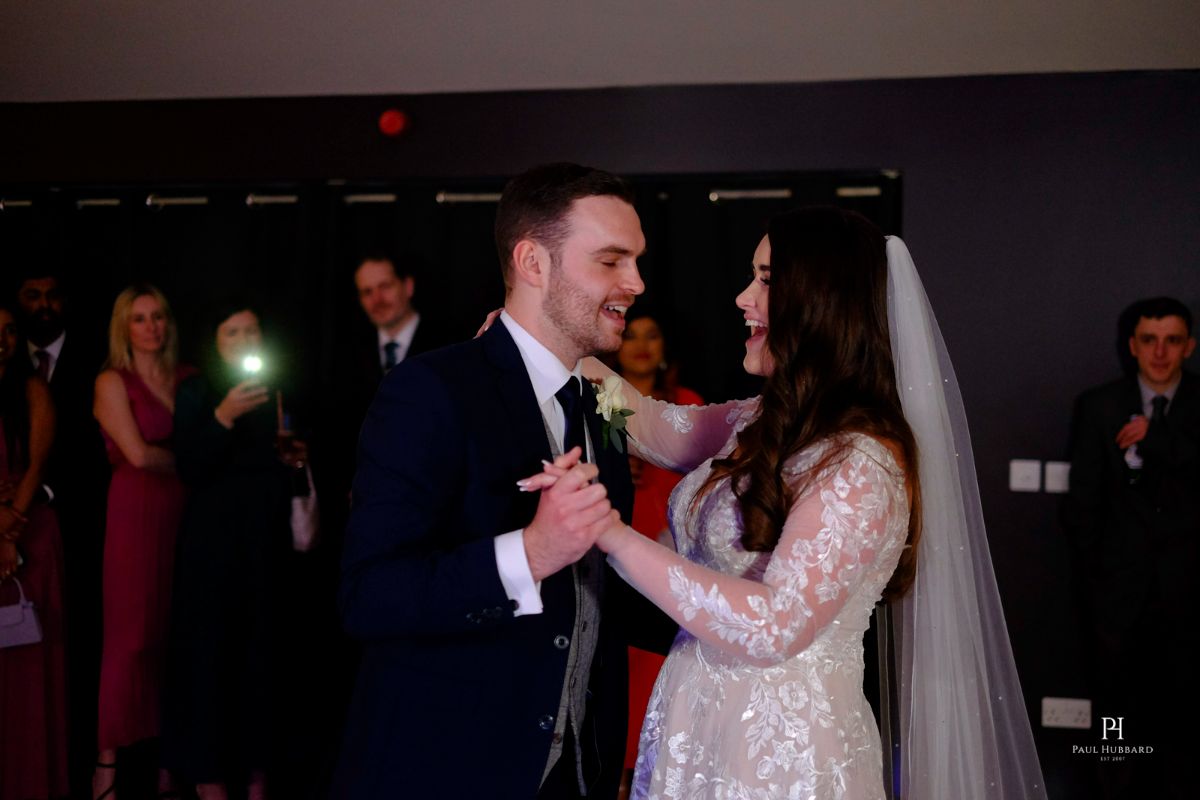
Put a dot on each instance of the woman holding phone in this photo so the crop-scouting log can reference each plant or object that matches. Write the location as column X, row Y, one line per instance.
column 234, row 536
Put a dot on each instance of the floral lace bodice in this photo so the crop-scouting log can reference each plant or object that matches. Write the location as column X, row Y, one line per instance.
column 761, row 696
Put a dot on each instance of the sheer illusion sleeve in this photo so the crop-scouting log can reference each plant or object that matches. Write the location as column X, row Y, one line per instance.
column 832, row 535
column 675, row 437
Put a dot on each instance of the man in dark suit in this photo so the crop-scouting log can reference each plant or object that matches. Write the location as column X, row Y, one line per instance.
column 1134, row 512
column 494, row 657
column 76, row 480
column 385, row 285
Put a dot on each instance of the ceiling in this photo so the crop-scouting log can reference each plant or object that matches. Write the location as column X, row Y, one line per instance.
column 67, row 50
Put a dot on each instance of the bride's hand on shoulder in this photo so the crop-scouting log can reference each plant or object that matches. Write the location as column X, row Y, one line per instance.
column 487, row 322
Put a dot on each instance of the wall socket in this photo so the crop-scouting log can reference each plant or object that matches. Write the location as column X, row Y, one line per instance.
column 1066, row 712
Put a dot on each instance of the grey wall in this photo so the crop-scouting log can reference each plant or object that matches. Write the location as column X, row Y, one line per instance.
column 61, row 50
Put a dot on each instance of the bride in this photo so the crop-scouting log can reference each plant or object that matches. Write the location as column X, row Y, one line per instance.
column 849, row 480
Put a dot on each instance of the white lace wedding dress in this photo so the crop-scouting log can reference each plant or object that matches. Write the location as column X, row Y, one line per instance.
column 761, row 695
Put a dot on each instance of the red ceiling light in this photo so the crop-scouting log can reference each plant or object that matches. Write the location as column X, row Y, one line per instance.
column 393, row 122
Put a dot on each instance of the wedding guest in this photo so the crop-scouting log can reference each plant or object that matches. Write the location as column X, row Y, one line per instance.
column 33, row 715
column 134, row 404
column 234, row 536
column 1133, row 512
column 76, row 476
column 644, row 361
column 385, row 285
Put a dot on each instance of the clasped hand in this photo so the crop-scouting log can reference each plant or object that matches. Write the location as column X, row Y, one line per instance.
column 1132, row 432
column 241, row 399
column 573, row 514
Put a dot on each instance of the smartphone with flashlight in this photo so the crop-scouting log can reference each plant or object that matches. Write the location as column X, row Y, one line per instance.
column 252, row 365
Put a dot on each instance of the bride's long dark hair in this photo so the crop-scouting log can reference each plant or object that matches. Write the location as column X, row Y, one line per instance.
column 833, row 373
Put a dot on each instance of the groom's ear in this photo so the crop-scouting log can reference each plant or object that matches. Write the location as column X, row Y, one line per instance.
column 531, row 263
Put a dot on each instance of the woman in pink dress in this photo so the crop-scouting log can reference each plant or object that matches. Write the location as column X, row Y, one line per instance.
column 33, row 716
column 135, row 403
column 644, row 361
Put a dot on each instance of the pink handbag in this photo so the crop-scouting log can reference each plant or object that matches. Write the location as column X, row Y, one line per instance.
column 306, row 517
column 19, row 623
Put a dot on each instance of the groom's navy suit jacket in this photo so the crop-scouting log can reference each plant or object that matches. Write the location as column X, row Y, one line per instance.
column 454, row 692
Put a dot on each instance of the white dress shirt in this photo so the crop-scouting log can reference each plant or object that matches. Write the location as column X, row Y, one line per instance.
column 1149, row 394
column 54, row 348
column 547, row 374
column 403, row 340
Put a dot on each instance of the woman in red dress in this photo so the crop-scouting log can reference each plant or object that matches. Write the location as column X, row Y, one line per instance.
column 643, row 361
column 33, row 716
column 135, row 403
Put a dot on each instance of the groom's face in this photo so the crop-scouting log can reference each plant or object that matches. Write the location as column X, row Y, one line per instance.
column 594, row 275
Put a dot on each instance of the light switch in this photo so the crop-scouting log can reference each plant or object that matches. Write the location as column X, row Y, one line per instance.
column 1025, row 475
column 1058, row 475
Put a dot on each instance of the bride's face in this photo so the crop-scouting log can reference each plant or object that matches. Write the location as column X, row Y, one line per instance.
column 753, row 303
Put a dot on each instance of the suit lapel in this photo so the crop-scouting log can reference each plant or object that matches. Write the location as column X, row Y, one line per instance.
column 64, row 363
column 1185, row 395
column 592, row 420
column 522, row 415
column 524, row 430
column 418, row 344
column 1133, row 399
column 613, row 465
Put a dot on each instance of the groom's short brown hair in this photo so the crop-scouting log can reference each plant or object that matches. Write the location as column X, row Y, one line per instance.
column 535, row 205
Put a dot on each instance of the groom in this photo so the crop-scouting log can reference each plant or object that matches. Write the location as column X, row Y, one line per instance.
column 494, row 651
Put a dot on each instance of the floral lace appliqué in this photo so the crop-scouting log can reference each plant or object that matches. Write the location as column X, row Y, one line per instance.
column 678, row 418
column 769, row 703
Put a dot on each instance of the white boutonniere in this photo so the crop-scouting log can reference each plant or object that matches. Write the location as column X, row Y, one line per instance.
column 610, row 404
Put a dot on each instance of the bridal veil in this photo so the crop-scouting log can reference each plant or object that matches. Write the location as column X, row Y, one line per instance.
column 964, row 730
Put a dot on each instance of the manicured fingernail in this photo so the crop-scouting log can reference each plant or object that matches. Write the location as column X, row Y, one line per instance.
column 546, row 463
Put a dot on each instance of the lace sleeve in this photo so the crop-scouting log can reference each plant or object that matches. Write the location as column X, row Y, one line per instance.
column 831, row 537
column 676, row 437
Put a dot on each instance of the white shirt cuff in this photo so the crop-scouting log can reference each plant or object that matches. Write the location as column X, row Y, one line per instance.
column 515, row 576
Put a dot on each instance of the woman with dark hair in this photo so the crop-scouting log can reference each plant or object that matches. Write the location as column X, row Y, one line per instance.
column 235, row 533
column 33, row 716
column 134, row 404
column 645, row 362
column 839, row 486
